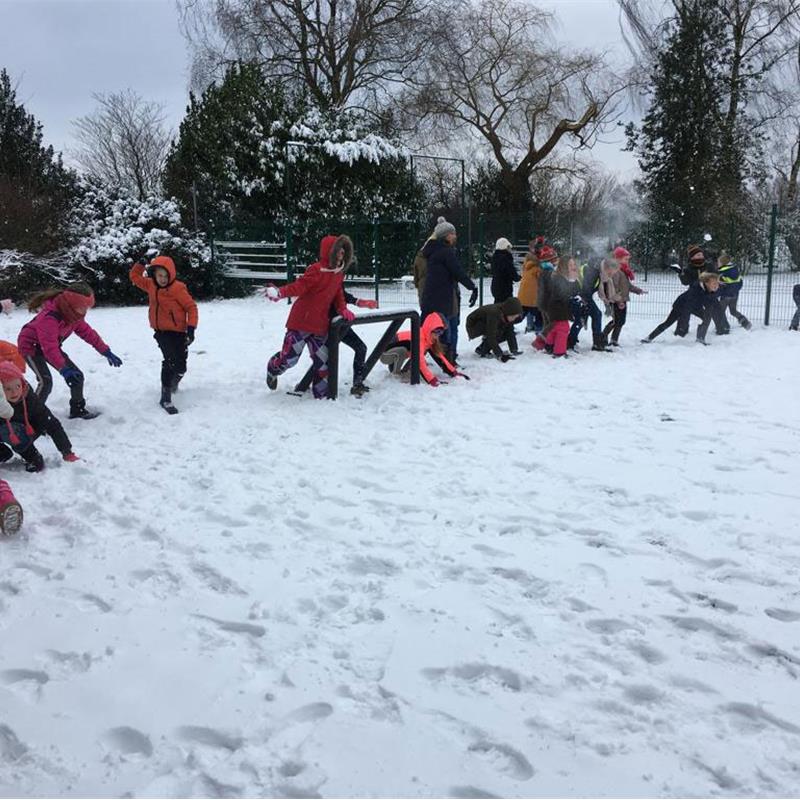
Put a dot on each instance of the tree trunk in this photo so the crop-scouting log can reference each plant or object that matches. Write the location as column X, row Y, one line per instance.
column 517, row 190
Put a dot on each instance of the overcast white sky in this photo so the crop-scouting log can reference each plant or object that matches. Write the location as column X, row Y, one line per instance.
column 61, row 51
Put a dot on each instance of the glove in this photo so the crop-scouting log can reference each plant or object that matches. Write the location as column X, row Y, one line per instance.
column 72, row 375
column 434, row 381
column 115, row 361
column 189, row 334
column 367, row 303
column 71, row 457
column 461, row 375
column 272, row 292
column 348, row 315
column 473, row 298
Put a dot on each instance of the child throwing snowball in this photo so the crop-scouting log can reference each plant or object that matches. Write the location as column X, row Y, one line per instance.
column 61, row 312
column 320, row 286
column 173, row 318
column 30, row 418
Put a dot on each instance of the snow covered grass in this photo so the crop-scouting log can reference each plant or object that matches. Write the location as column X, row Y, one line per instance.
column 560, row 578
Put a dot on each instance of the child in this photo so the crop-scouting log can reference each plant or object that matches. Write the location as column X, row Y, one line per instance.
column 562, row 288
column 173, row 318
column 730, row 284
column 355, row 343
column 621, row 287
column 547, row 258
column 495, row 323
column 61, row 313
column 699, row 300
column 30, row 419
column 504, row 273
column 397, row 356
column 316, row 290
column 529, row 290
column 623, row 258
column 796, row 318
column 10, row 509
column 591, row 282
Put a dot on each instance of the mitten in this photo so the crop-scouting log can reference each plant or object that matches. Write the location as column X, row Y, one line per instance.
column 189, row 334
column 434, row 381
column 348, row 315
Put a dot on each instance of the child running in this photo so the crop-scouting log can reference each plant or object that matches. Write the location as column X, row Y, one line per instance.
column 320, row 286
column 173, row 318
column 622, row 287
column 699, row 299
column 61, row 313
column 30, row 418
column 397, row 356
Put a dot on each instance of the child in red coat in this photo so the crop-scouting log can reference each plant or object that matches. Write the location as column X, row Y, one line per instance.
column 309, row 320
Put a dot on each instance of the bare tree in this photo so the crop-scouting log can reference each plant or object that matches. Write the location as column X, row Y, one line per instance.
column 494, row 74
column 345, row 53
column 124, row 142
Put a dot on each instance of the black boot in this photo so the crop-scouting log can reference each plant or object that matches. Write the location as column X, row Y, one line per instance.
column 599, row 344
column 166, row 400
column 79, row 411
column 33, row 459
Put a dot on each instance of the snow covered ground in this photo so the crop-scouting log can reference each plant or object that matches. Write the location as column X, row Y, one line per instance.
column 561, row 578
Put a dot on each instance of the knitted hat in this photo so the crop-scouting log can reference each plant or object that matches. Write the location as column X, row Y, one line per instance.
column 620, row 253
column 696, row 254
column 443, row 228
column 502, row 244
column 10, row 372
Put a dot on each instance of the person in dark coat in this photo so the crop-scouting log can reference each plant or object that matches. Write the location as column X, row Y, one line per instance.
column 699, row 299
column 443, row 276
column 730, row 284
column 495, row 323
column 504, row 273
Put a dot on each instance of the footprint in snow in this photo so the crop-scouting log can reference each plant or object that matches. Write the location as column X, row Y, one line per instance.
column 470, row 793
column 371, row 565
column 210, row 737
column 11, row 748
column 504, row 759
column 235, row 627
column 128, row 741
column 36, row 676
column 609, row 626
column 757, row 718
column 309, row 713
column 782, row 614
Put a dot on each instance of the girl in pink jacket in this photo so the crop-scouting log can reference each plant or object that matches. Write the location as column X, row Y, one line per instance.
column 61, row 313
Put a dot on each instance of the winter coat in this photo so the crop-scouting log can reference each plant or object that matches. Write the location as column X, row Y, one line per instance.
column 47, row 331
column 444, row 273
column 319, row 287
column 171, row 307
column 623, row 287
column 429, row 325
column 504, row 275
column 489, row 321
column 730, row 281
column 529, row 283
column 31, row 419
column 695, row 300
column 420, row 271
column 545, row 279
column 559, row 294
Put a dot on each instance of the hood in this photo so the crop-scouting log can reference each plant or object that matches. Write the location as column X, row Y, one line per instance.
column 620, row 253
column 329, row 248
column 511, row 307
column 165, row 262
column 73, row 305
column 431, row 323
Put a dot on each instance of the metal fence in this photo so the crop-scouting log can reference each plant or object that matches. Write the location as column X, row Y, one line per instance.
column 385, row 251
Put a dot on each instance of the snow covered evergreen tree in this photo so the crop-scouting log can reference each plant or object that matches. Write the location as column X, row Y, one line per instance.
column 36, row 189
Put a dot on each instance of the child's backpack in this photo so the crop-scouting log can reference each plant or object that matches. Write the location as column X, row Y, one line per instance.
column 9, row 352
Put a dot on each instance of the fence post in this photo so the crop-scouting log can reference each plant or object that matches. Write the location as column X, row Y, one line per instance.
column 376, row 262
column 771, row 261
column 481, row 221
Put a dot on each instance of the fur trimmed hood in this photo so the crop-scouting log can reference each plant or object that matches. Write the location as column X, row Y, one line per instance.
column 329, row 250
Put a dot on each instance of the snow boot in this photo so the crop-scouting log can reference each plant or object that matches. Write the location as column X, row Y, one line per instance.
column 599, row 344
column 166, row 401
column 358, row 390
column 34, row 461
column 79, row 411
column 272, row 381
column 10, row 511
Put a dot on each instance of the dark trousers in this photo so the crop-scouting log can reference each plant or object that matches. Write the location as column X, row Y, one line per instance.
column 356, row 344
column 615, row 326
column 44, row 379
column 452, row 336
column 175, row 349
column 729, row 304
column 533, row 319
column 683, row 325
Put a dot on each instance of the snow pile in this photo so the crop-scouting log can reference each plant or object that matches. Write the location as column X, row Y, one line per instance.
column 558, row 579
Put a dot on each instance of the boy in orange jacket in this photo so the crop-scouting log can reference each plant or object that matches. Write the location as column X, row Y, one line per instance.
column 173, row 317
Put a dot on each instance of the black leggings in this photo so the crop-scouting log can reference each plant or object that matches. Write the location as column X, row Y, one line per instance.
column 615, row 326
column 175, row 349
column 44, row 379
column 683, row 324
column 356, row 344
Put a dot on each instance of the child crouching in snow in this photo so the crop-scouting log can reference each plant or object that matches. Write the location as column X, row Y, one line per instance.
column 30, row 418
column 397, row 356
column 320, row 286
column 10, row 509
column 173, row 318
column 62, row 312
column 495, row 323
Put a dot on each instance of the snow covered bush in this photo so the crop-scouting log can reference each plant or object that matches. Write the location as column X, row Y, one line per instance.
column 21, row 273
